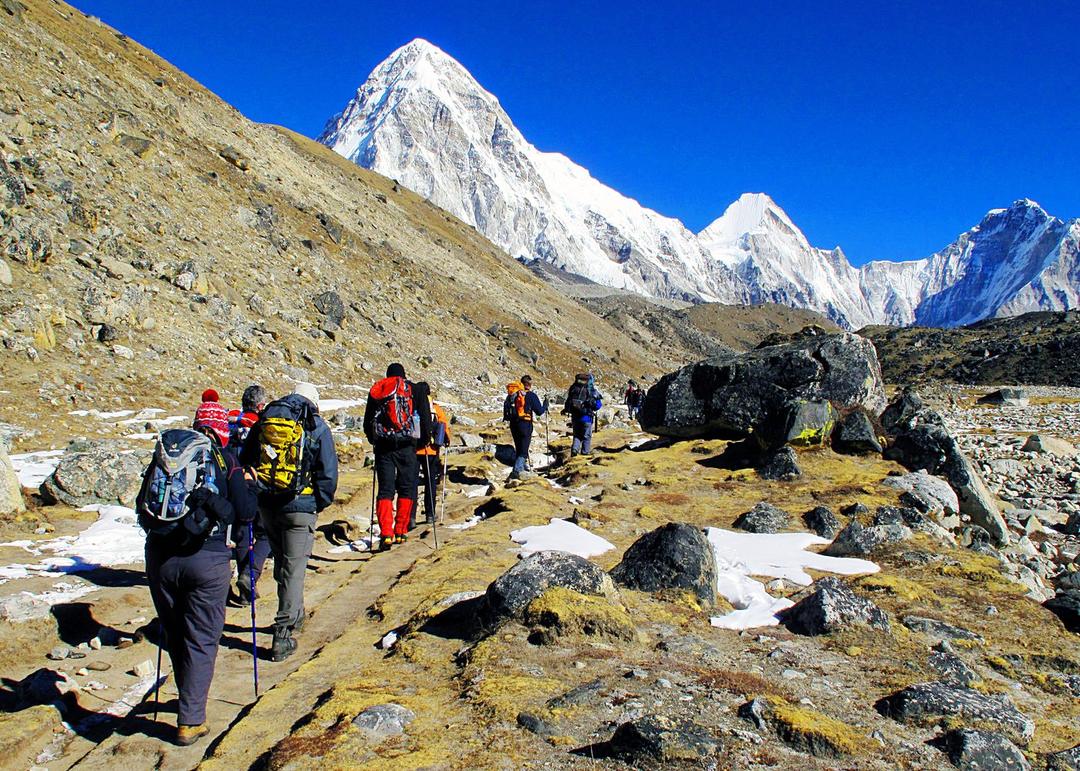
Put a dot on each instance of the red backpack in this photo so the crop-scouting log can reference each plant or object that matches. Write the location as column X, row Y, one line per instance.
column 395, row 414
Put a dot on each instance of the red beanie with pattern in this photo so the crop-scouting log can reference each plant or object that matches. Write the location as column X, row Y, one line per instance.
column 215, row 417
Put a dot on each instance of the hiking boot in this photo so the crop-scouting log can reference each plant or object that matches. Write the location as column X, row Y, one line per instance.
column 385, row 542
column 401, row 538
column 189, row 734
column 283, row 646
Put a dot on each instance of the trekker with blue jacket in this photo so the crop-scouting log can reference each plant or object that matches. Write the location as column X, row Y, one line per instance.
column 520, row 408
column 582, row 402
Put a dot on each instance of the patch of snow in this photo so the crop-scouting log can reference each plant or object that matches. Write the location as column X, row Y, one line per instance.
column 389, row 641
column 33, row 468
column 141, row 437
column 779, row 555
column 27, row 606
column 472, row 521
column 560, row 535
column 101, row 415
column 330, row 405
column 360, row 545
column 114, row 539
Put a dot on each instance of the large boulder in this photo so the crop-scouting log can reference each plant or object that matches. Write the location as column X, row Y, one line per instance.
column 660, row 739
column 763, row 518
column 11, row 500
column 921, row 441
column 1066, row 606
column 981, row 751
column 96, row 472
column 675, row 556
column 510, row 594
column 1009, row 397
column 859, row 540
column 929, row 702
column 1065, row 760
column 780, row 466
column 822, row 521
column 766, row 392
column 855, row 435
column 933, row 490
column 1048, row 445
column 831, row 606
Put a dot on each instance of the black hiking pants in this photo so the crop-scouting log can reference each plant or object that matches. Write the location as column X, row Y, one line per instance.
column 395, row 471
column 189, row 595
column 521, row 431
column 430, row 475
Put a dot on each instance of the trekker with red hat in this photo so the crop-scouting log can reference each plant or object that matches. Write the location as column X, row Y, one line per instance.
column 192, row 492
column 252, row 548
column 397, row 419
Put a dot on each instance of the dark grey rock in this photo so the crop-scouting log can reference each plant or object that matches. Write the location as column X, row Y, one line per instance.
column 801, row 423
column 733, row 395
column 329, row 304
column 509, row 594
column 675, row 556
column 952, row 668
column 763, row 518
column 921, row 441
column 760, row 712
column 854, row 510
column 533, row 724
column 927, row 702
column 981, row 751
column 1066, row 606
column 1065, row 760
column 822, row 521
column 932, row 490
column 855, row 435
column 234, row 156
column 661, row 739
column 832, row 606
column 1072, row 526
column 581, row 695
column 780, row 465
column 1015, row 397
column 858, row 540
column 901, row 412
column 95, row 472
column 383, row 721
column 937, row 629
column 332, row 227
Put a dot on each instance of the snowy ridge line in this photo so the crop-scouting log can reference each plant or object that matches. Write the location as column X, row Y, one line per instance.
column 422, row 119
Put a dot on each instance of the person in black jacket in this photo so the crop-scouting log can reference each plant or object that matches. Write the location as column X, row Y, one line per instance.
column 189, row 578
column 525, row 406
column 290, row 519
column 395, row 449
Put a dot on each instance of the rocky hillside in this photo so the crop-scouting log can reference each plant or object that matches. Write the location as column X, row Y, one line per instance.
column 153, row 241
column 1036, row 348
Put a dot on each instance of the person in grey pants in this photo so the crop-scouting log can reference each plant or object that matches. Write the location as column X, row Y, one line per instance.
column 290, row 521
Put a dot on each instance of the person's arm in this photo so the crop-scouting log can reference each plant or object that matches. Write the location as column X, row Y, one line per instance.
column 422, row 402
column 533, row 404
column 369, row 420
column 241, row 496
column 324, row 471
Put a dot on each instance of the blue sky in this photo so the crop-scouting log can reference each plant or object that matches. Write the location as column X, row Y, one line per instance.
column 887, row 128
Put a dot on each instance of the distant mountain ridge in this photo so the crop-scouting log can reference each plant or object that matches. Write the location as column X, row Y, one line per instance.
column 422, row 119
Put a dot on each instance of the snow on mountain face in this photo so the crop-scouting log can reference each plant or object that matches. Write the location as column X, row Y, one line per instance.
column 423, row 120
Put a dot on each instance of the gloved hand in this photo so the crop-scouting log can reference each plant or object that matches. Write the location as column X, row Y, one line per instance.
column 198, row 497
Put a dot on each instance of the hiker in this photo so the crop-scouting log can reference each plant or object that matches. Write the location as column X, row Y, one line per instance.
column 249, row 561
column 428, row 456
column 520, row 407
column 396, row 421
column 582, row 402
column 633, row 399
column 187, row 515
column 292, row 452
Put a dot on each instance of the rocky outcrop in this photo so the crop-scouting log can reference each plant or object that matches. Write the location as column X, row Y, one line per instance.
column 858, row 540
column 11, row 500
column 803, row 729
column 981, row 751
column 939, row 629
column 832, row 606
column 509, row 594
column 1065, row 760
column 921, row 441
column 930, row 702
column 932, row 490
column 675, row 556
column 765, row 393
column 1048, row 445
column 822, row 521
column 763, row 518
column 855, row 435
column 780, row 466
column 1010, row 397
column 652, row 739
column 95, row 472
column 560, row 612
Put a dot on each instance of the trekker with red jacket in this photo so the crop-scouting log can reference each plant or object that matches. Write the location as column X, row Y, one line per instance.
column 396, row 420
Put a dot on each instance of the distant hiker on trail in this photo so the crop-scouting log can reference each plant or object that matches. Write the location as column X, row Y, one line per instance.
column 633, row 399
column 519, row 408
column 294, row 459
column 192, row 492
column 582, row 402
column 397, row 419
column 241, row 422
column 428, row 456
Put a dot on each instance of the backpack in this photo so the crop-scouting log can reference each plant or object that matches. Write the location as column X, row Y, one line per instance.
column 514, row 403
column 184, row 461
column 284, row 464
column 579, row 401
column 395, row 412
column 438, row 428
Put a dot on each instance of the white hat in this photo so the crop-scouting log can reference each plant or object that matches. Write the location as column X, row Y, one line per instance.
column 308, row 391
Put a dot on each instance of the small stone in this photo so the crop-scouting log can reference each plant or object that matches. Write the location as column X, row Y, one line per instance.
column 98, row 666
column 58, row 653
column 144, row 669
column 383, row 721
column 125, row 642
column 95, row 644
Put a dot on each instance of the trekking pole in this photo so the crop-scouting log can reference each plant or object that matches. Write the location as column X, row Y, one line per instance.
column 157, row 677
column 251, row 575
column 429, row 496
column 445, row 462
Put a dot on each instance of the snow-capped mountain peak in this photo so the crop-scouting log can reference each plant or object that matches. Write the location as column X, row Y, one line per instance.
column 421, row 118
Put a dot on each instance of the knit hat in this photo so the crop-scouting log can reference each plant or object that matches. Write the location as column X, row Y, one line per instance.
column 395, row 370
column 214, row 417
column 308, row 391
column 209, row 395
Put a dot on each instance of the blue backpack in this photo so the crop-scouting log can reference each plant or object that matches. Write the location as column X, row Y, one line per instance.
column 184, row 461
